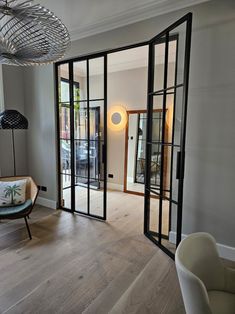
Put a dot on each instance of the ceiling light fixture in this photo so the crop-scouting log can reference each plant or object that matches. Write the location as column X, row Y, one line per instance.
column 30, row 34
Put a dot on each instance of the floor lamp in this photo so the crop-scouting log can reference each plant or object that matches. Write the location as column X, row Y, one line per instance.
column 13, row 120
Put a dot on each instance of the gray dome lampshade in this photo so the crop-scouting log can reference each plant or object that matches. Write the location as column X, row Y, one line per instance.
column 13, row 119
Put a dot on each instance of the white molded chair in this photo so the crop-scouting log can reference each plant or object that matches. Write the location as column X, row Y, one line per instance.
column 208, row 287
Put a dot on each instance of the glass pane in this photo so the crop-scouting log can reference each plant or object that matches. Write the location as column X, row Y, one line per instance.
column 66, row 190
column 80, row 80
column 96, row 120
column 165, row 218
column 81, row 175
column 154, row 216
column 80, row 121
column 96, row 158
column 155, row 167
column 65, row 156
column 136, row 152
column 63, row 81
column 160, row 49
column 96, row 78
column 64, row 111
column 81, row 197
column 180, row 32
column 157, row 126
column 171, row 63
column 178, row 115
column 81, row 161
column 157, row 118
column 170, row 211
column 95, row 174
column 96, row 200
column 175, row 181
column 159, row 63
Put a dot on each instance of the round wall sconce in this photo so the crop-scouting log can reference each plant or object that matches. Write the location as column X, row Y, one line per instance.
column 117, row 118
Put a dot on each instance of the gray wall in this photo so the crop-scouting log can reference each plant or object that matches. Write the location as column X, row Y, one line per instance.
column 13, row 88
column 41, row 138
column 210, row 153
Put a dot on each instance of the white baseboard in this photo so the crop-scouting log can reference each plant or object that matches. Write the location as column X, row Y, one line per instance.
column 114, row 186
column 46, row 202
column 225, row 251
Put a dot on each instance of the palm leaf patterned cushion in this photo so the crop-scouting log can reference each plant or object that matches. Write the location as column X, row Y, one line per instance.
column 12, row 193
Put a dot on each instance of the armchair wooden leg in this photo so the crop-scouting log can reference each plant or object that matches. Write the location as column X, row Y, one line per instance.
column 26, row 222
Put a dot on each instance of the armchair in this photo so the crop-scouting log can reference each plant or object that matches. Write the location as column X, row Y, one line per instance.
column 208, row 287
column 22, row 210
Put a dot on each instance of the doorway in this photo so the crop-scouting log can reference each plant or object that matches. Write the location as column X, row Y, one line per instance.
column 158, row 166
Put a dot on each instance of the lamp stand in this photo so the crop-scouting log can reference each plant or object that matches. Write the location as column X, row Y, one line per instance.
column 13, row 149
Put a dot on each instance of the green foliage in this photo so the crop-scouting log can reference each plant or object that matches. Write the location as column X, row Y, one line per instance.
column 12, row 191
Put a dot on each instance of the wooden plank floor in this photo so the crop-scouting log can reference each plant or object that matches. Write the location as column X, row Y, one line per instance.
column 77, row 265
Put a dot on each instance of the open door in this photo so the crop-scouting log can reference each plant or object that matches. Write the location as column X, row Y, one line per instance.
column 168, row 76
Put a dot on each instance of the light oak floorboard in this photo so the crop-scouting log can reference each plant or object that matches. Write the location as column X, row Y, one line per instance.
column 75, row 264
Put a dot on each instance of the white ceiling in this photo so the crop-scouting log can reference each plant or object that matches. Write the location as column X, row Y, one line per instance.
column 124, row 60
column 88, row 17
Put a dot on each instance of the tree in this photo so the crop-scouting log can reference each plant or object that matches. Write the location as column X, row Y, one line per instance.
column 12, row 191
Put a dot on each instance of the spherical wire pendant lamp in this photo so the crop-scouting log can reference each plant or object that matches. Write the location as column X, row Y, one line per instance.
column 30, row 34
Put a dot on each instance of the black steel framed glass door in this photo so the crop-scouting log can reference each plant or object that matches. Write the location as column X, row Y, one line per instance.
column 168, row 75
column 82, row 125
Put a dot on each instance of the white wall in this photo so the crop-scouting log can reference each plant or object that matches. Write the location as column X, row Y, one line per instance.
column 128, row 89
column 210, row 152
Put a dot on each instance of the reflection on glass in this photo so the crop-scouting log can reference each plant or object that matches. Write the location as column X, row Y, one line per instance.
column 80, row 80
column 87, row 145
column 96, row 201
column 154, row 216
column 170, row 242
column 81, row 161
column 66, row 191
column 96, row 78
column 63, row 83
column 64, row 112
column 91, row 170
column 81, row 147
column 80, row 121
column 136, row 148
column 175, row 181
column 178, row 115
column 65, row 157
column 81, row 198
column 181, row 41
column 160, row 63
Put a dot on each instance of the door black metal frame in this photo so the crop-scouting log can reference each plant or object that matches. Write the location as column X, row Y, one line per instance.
column 164, row 35
column 72, row 139
column 159, row 38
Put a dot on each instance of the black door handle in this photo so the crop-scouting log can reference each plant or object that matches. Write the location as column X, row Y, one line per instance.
column 103, row 153
column 179, row 170
column 178, row 165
